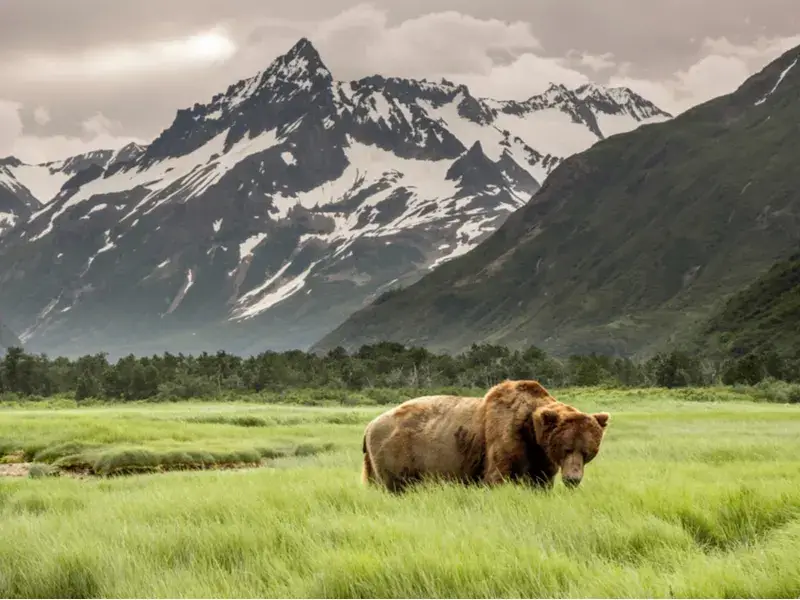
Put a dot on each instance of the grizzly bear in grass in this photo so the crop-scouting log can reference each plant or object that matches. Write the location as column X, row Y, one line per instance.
column 516, row 432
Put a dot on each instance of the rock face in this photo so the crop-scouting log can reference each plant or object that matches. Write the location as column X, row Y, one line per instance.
column 631, row 244
column 262, row 219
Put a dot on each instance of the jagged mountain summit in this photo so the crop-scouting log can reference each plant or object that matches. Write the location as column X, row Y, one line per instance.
column 632, row 244
column 266, row 216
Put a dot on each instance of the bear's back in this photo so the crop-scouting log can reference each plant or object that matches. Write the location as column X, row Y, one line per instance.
column 438, row 434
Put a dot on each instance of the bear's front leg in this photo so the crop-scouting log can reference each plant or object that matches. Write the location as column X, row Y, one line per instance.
column 540, row 480
column 498, row 468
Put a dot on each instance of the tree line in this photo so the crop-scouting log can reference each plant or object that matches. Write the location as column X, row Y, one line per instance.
column 372, row 367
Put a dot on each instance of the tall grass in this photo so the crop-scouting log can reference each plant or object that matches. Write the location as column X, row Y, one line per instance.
column 688, row 497
column 141, row 438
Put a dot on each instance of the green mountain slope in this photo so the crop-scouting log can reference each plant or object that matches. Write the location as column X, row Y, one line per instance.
column 762, row 317
column 627, row 243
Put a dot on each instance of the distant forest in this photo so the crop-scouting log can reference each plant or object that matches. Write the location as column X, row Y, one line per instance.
column 385, row 366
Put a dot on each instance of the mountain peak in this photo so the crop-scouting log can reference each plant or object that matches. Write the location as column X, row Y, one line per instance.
column 476, row 150
column 131, row 146
column 129, row 152
column 556, row 88
column 619, row 94
column 474, row 170
column 587, row 89
column 10, row 161
column 304, row 47
column 302, row 61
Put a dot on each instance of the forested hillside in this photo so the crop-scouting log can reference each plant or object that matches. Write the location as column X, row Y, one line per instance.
column 763, row 316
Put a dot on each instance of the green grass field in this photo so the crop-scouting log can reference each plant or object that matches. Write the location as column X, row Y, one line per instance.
column 693, row 494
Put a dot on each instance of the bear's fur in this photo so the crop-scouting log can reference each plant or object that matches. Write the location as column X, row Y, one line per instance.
column 517, row 431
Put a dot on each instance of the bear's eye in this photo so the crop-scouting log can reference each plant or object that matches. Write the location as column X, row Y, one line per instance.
column 588, row 456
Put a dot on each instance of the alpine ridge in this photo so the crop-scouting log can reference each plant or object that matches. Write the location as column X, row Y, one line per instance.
column 263, row 218
column 25, row 188
column 630, row 245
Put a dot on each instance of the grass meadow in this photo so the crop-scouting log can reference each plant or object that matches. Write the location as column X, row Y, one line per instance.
column 694, row 494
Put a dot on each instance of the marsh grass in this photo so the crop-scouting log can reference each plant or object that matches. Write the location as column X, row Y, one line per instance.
column 689, row 497
column 37, row 470
column 139, row 439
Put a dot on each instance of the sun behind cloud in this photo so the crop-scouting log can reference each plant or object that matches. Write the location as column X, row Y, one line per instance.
column 107, row 62
column 209, row 46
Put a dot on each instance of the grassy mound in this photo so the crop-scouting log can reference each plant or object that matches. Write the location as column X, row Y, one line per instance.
column 124, row 440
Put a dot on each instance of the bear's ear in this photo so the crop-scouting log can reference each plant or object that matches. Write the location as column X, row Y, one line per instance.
column 549, row 418
column 545, row 420
column 602, row 419
column 534, row 388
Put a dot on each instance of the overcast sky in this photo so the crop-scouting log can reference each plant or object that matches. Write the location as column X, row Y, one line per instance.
column 84, row 74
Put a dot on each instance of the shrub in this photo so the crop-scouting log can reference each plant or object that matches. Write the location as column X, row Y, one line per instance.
column 773, row 390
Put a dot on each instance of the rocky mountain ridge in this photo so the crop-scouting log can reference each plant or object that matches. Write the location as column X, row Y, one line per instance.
column 264, row 217
column 25, row 188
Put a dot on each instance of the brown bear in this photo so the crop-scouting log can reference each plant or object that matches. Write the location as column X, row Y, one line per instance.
column 516, row 432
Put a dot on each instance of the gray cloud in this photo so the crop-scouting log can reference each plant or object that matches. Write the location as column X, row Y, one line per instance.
column 81, row 73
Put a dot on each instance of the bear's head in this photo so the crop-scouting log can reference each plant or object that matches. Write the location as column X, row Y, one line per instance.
column 570, row 438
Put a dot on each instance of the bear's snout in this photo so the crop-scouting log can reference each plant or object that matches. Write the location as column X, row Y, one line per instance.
column 572, row 470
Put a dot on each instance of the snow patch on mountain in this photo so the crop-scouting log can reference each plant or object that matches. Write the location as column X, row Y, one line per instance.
column 176, row 302
column 7, row 221
column 467, row 131
column 552, row 129
column 467, row 237
column 94, row 209
column 40, row 180
column 195, row 172
column 781, row 77
column 246, row 247
column 613, row 124
column 256, row 302
column 45, row 180
column 371, row 166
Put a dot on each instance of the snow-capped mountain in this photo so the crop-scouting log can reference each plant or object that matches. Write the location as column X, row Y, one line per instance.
column 265, row 217
column 25, row 188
